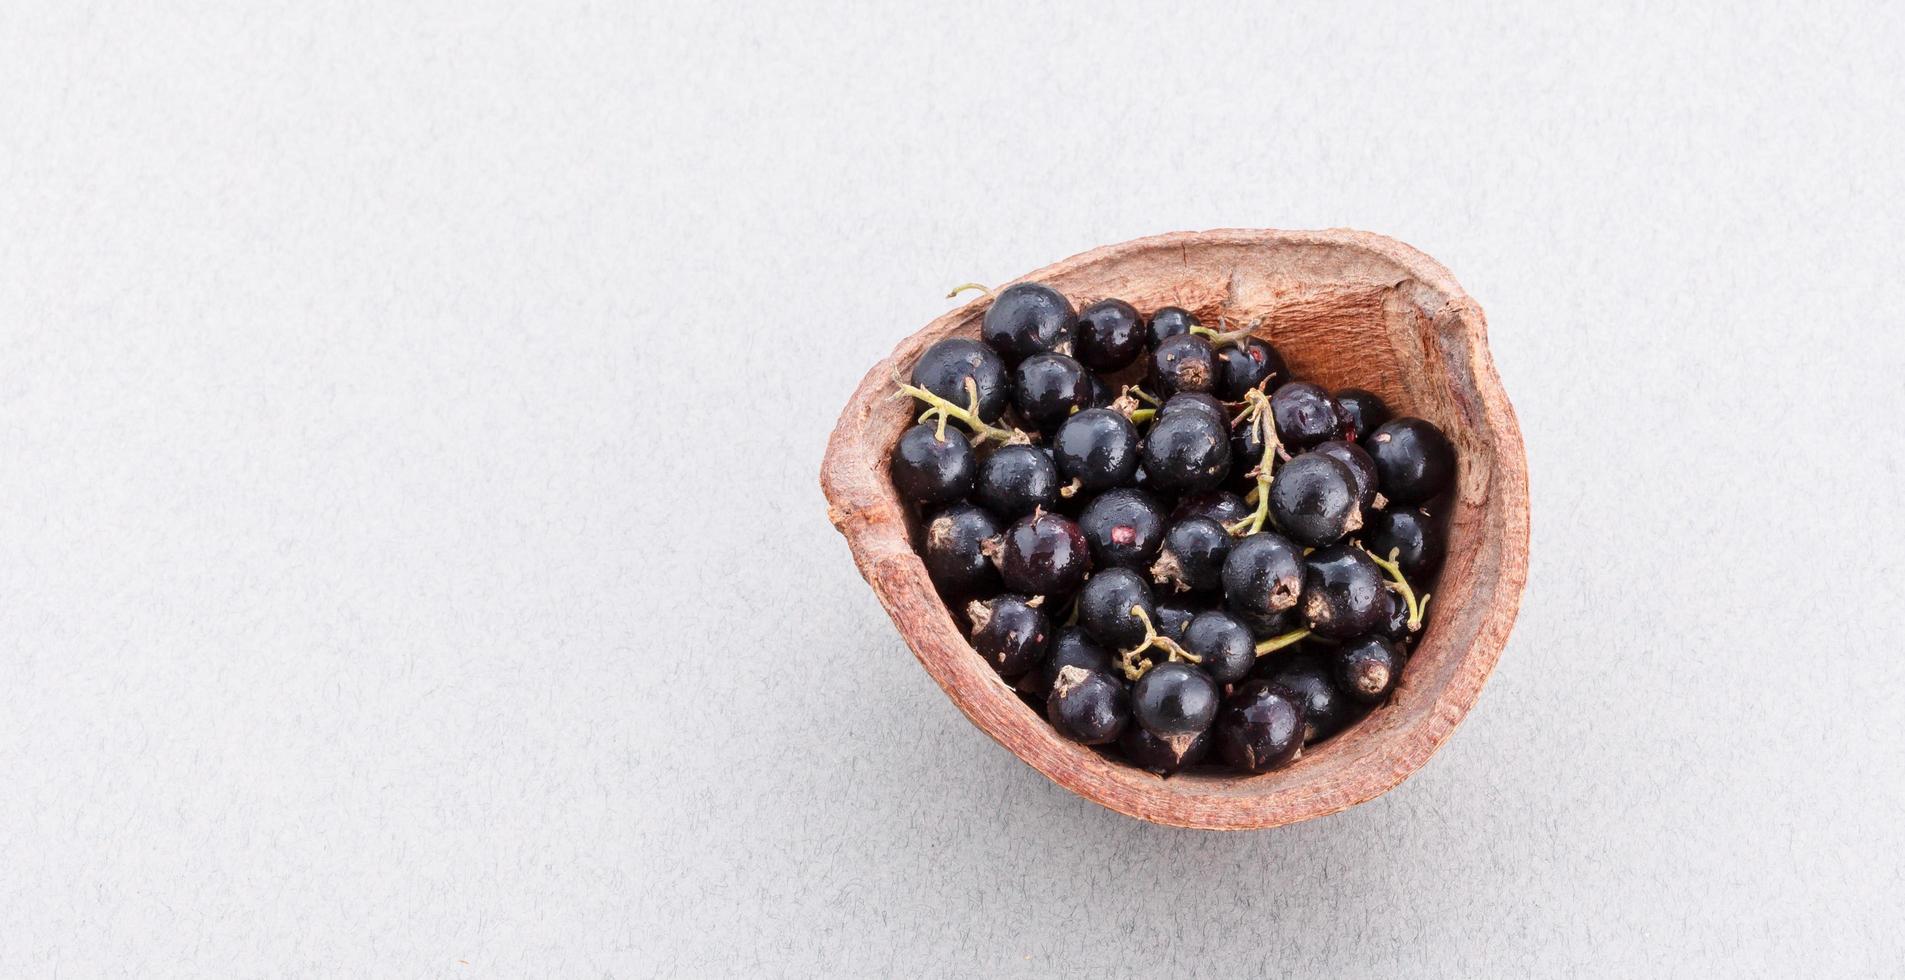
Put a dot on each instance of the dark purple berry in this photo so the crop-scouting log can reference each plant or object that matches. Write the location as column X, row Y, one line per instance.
column 1016, row 480
column 1263, row 576
column 1362, row 411
column 1029, row 318
column 1184, row 363
column 1107, row 607
column 1009, row 632
column 1169, row 322
column 1048, row 388
column 1308, row 675
column 1110, row 335
column 1367, row 668
column 957, row 539
column 1098, row 448
column 1246, row 365
column 1123, row 527
column 1070, row 647
column 1225, row 645
column 1044, row 554
column 1313, row 500
column 1414, row 461
column 1174, row 698
column 1222, row 506
column 1088, row 706
column 1361, row 467
column 1304, row 415
column 945, row 366
column 1343, row 592
column 1196, row 401
column 1163, row 756
column 1192, row 556
column 1415, row 539
column 1186, row 453
column 1260, row 727
column 929, row 469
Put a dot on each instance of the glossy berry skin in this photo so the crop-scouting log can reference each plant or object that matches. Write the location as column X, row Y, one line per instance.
column 1246, row 454
column 1263, row 575
column 1366, row 669
column 1173, row 619
column 1313, row 500
column 1221, row 506
column 1169, row 322
column 1343, row 592
column 1015, row 480
column 1110, row 335
column 1101, row 393
column 1070, row 647
column 1361, row 411
column 1304, row 415
column 1123, row 528
column 1192, row 556
column 1088, row 706
column 1184, row 364
column 957, row 538
column 1026, row 319
column 1414, row 461
column 1260, row 727
column 1009, row 632
column 1416, row 540
column 929, row 470
column 1174, row 698
column 1392, row 621
column 945, row 366
column 1270, row 626
column 1309, row 676
column 1097, row 447
column 1163, row 756
column 1196, row 401
column 1245, row 365
column 1186, row 453
column 1105, row 607
column 1048, row 388
column 1044, row 554
column 1223, row 641
column 1361, row 467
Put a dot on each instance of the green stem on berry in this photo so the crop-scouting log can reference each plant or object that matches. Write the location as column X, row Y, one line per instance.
column 1259, row 414
column 1128, row 660
column 1401, row 585
column 1142, row 395
column 1276, row 643
column 1142, row 415
column 965, row 286
column 943, row 408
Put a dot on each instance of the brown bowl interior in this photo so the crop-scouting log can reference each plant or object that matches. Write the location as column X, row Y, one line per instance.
column 1346, row 309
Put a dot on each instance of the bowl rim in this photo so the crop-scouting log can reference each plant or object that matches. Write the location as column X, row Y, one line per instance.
column 874, row 524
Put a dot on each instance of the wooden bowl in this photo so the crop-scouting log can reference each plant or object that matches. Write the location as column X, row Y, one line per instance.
column 1346, row 309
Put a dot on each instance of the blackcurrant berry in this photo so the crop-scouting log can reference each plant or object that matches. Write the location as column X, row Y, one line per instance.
column 946, row 365
column 1016, row 480
column 1225, row 645
column 1265, row 627
column 1416, row 540
column 1070, row 647
column 1260, row 727
column 1029, row 318
column 1174, row 619
column 1362, row 410
column 1343, row 592
column 1263, row 576
column 1009, row 632
column 1169, row 322
column 1184, row 363
column 1110, row 335
column 1192, row 556
column 1196, row 401
column 1308, row 675
column 1174, row 698
column 931, row 469
column 1245, row 365
column 1105, row 607
column 1123, row 527
column 1392, row 622
column 1304, row 415
column 1186, row 453
column 1088, row 706
column 957, row 539
column 1221, row 506
column 1414, row 460
column 1101, row 393
column 1360, row 466
column 1163, row 756
column 1097, row 447
column 1313, row 500
column 1048, row 388
column 1367, row 668
column 1044, row 554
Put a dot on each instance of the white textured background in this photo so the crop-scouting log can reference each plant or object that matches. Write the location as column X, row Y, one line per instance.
column 411, row 561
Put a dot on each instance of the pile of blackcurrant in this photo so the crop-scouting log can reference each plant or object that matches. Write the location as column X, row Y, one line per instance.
column 1185, row 556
